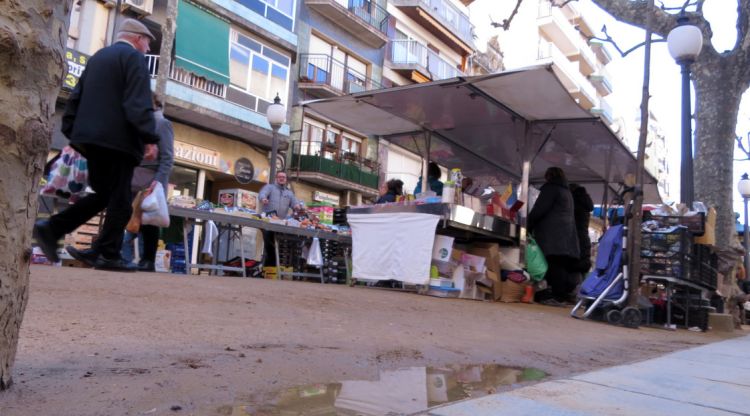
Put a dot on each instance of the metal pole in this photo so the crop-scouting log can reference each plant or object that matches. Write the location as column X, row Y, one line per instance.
column 274, row 151
column 114, row 22
column 686, row 166
column 747, row 245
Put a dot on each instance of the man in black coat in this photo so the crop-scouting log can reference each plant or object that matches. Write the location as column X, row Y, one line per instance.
column 109, row 119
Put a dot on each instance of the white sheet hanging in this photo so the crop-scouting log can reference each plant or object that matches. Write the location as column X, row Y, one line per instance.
column 393, row 246
column 211, row 233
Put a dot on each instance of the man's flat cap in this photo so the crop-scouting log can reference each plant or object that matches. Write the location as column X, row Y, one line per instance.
column 134, row 26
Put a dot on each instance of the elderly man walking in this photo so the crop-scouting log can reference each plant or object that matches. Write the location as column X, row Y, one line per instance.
column 109, row 119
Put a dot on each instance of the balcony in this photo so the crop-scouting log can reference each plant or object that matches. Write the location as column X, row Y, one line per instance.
column 444, row 20
column 323, row 77
column 601, row 82
column 324, row 164
column 198, row 101
column 365, row 20
column 601, row 51
column 569, row 74
column 418, row 62
column 604, row 110
column 555, row 26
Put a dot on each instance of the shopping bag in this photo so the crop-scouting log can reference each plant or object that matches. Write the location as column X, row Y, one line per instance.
column 315, row 256
column 68, row 177
column 134, row 224
column 154, row 206
column 536, row 264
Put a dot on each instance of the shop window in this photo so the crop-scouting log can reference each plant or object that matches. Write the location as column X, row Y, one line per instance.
column 184, row 180
column 257, row 70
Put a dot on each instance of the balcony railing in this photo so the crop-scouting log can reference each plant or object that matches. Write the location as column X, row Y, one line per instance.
column 188, row 78
column 452, row 16
column 370, row 12
column 326, row 159
column 324, row 70
column 411, row 52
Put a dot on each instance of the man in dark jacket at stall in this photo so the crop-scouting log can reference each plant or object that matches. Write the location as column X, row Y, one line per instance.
column 552, row 224
column 109, row 119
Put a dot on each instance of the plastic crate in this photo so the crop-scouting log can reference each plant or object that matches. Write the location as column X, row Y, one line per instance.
column 704, row 264
column 666, row 253
column 696, row 224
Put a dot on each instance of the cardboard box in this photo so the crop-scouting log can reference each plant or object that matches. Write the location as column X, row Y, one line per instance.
column 239, row 198
column 491, row 253
column 473, row 263
column 162, row 261
column 457, row 255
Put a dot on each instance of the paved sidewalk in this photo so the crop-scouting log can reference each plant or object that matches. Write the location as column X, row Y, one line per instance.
column 713, row 379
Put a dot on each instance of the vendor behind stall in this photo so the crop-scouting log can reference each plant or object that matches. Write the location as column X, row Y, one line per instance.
column 433, row 179
column 395, row 188
column 276, row 199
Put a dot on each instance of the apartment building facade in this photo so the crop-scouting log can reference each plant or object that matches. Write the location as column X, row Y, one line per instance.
column 341, row 47
column 230, row 59
column 541, row 33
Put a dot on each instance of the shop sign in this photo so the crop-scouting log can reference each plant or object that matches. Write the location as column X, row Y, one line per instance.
column 325, row 197
column 76, row 64
column 244, row 171
column 196, row 155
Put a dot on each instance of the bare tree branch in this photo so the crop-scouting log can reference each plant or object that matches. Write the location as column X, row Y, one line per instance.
column 554, row 3
column 635, row 13
column 506, row 22
column 611, row 41
column 741, row 145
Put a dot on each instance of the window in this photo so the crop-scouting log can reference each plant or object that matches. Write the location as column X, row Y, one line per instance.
column 257, row 69
column 350, row 144
column 327, row 63
column 280, row 12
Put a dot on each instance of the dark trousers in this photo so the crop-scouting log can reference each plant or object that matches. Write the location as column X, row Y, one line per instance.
column 559, row 276
column 150, row 234
column 110, row 173
column 269, row 249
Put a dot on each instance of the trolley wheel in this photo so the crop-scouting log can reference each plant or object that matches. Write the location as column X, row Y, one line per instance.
column 614, row 317
column 631, row 317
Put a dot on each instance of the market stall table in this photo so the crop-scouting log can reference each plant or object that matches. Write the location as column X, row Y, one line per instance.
column 232, row 223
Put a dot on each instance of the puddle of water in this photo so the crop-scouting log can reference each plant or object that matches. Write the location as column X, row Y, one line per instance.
column 395, row 392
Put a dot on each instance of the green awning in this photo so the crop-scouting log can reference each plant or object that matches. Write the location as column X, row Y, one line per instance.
column 202, row 43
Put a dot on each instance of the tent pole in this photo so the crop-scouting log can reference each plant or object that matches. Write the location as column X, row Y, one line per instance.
column 525, row 176
column 426, row 160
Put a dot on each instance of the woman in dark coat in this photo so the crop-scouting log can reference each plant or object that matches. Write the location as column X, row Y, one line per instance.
column 552, row 224
column 582, row 207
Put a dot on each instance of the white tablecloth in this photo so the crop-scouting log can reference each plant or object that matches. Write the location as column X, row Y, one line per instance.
column 393, row 246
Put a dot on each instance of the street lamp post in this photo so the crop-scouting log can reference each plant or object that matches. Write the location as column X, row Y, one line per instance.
column 684, row 43
column 276, row 115
column 744, row 187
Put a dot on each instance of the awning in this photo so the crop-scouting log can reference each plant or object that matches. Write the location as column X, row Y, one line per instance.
column 202, row 43
column 489, row 125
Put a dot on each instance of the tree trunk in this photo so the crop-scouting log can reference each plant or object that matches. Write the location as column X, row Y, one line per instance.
column 718, row 91
column 165, row 55
column 33, row 34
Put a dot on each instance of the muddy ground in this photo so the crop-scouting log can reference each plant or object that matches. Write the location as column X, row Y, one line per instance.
column 97, row 343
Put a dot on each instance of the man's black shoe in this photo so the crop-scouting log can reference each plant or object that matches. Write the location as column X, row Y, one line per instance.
column 46, row 240
column 115, row 265
column 87, row 257
column 146, row 266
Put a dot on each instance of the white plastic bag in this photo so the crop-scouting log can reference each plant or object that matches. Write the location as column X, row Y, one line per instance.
column 314, row 256
column 155, row 210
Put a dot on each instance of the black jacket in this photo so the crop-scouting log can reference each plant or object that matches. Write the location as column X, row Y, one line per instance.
column 582, row 207
column 111, row 105
column 551, row 221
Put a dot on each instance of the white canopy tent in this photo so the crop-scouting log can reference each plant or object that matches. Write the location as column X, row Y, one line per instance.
column 509, row 126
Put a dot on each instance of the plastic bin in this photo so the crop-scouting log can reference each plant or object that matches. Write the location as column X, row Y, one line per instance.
column 666, row 253
column 696, row 224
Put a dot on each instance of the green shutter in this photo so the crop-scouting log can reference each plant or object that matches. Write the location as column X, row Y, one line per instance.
column 202, row 43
